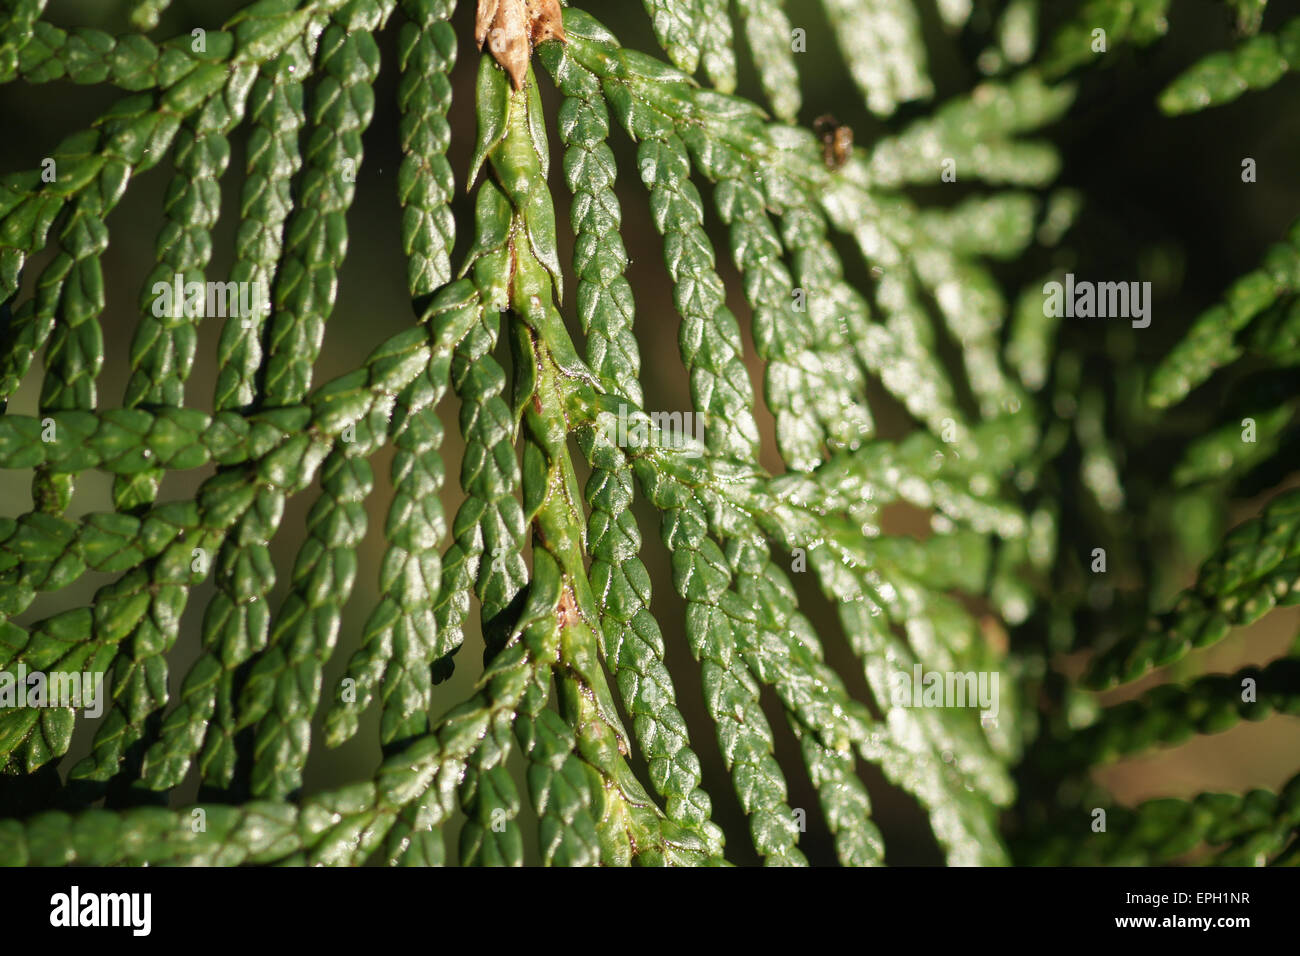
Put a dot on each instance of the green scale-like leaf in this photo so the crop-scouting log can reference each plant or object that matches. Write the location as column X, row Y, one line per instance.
column 1256, row 569
column 1018, row 448
column 1222, row 77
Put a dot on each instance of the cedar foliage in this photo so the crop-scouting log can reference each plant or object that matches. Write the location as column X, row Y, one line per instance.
column 574, row 679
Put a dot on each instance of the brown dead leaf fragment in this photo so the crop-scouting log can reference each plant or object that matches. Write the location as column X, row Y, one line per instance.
column 513, row 28
column 545, row 20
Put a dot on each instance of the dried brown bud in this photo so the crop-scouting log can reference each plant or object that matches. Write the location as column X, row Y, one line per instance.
column 513, row 28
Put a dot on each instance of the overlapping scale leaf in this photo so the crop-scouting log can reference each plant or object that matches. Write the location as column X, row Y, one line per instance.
column 1220, row 78
column 881, row 40
column 1212, row 341
column 772, row 45
column 633, row 644
column 1256, row 568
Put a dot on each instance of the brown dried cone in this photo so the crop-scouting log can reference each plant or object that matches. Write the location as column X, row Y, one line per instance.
column 513, row 28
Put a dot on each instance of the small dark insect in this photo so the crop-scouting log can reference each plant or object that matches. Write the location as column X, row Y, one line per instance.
column 837, row 140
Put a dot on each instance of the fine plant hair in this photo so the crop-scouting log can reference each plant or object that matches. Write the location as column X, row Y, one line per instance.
column 797, row 603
